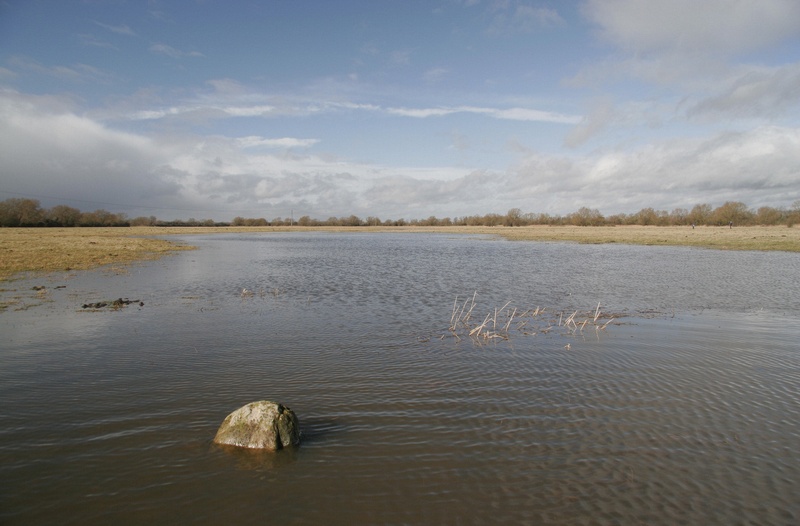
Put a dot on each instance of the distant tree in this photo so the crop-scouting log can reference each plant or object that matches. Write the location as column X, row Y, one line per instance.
column 793, row 215
column 767, row 215
column 586, row 217
column 540, row 219
column 62, row 215
column 513, row 217
column 144, row 221
column 373, row 221
column 352, row 220
column 493, row 219
column 21, row 212
column 646, row 216
column 99, row 217
column 616, row 219
column 734, row 212
column 700, row 214
column 679, row 216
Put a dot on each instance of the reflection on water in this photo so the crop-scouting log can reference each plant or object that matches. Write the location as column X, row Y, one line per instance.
column 686, row 416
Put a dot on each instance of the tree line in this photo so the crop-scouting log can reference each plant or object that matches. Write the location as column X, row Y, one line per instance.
column 22, row 212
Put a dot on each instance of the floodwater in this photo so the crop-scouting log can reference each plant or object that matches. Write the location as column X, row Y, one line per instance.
column 683, row 409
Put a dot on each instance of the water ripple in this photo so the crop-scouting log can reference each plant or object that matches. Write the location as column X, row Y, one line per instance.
column 667, row 418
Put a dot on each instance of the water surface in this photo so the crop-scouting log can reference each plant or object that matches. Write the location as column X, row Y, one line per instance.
column 683, row 410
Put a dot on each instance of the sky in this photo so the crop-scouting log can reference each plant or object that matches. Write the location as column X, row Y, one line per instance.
column 398, row 108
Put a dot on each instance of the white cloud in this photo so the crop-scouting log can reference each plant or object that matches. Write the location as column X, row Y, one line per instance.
column 600, row 116
column 203, row 111
column 515, row 114
column 760, row 92
column 421, row 113
column 689, row 27
column 47, row 146
column 759, row 167
column 170, row 51
column 248, row 111
column 232, row 100
column 253, row 141
column 517, row 17
column 90, row 40
column 120, row 30
column 435, row 74
column 689, row 63
column 401, row 58
column 73, row 73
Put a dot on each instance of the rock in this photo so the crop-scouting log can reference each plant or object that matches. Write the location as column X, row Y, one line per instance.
column 260, row 425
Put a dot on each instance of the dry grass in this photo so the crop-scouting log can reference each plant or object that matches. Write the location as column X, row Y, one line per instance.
column 500, row 324
column 723, row 238
column 58, row 249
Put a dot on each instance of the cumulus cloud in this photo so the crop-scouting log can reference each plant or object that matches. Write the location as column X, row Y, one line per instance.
column 687, row 26
column 691, row 59
column 48, row 146
column 761, row 92
column 760, row 167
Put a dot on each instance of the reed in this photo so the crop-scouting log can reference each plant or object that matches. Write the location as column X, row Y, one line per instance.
column 504, row 322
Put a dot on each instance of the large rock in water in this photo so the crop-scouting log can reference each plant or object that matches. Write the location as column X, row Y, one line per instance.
column 260, row 425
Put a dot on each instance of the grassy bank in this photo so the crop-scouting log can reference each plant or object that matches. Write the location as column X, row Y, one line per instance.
column 63, row 249
column 59, row 249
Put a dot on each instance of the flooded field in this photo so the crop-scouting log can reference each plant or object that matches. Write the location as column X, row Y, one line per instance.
column 683, row 408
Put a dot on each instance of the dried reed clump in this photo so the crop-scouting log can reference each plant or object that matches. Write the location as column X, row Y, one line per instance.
column 503, row 322
column 262, row 292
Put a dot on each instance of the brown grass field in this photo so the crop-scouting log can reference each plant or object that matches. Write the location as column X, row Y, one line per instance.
column 24, row 250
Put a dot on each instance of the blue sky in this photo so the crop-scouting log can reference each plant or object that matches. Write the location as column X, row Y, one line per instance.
column 399, row 109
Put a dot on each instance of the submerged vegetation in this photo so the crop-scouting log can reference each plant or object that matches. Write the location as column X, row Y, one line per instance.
column 501, row 323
